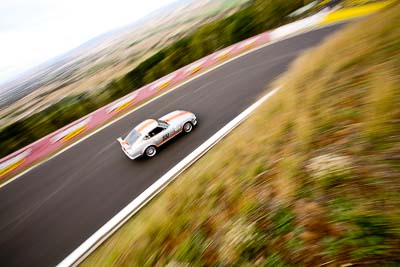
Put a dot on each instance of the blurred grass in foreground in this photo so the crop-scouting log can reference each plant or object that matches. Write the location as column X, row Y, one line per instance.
column 311, row 178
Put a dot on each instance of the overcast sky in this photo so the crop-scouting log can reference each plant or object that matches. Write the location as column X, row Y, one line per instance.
column 33, row 31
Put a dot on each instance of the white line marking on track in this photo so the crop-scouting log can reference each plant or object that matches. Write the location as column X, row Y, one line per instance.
column 79, row 254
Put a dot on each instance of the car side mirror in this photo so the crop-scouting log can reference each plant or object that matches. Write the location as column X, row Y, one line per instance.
column 146, row 137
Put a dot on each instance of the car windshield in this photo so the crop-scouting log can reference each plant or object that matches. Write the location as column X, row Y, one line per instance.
column 163, row 124
column 132, row 137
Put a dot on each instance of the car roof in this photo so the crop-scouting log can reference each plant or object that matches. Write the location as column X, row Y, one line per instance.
column 146, row 126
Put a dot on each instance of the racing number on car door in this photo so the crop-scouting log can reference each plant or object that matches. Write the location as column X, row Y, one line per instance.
column 165, row 136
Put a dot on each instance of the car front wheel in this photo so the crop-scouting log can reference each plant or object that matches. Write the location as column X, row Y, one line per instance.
column 187, row 127
column 150, row 152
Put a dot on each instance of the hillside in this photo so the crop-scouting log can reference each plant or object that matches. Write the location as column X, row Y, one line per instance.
column 318, row 185
column 250, row 20
column 92, row 65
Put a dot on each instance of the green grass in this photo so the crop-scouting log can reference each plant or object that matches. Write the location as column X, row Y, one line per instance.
column 311, row 178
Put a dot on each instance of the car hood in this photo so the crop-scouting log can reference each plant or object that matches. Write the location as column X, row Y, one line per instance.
column 176, row 116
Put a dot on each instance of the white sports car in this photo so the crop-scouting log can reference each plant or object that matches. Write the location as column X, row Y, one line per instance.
column 146, row 137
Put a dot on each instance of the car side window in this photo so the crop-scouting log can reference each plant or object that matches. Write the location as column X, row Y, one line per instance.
column 156, row 131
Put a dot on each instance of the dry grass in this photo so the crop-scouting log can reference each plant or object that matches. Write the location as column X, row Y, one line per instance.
column 311, row 178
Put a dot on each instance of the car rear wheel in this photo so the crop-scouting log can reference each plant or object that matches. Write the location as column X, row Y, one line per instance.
column 187, row 127
column 150, row 152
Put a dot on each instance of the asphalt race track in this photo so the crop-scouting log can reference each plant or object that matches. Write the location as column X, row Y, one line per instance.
column 48, row 212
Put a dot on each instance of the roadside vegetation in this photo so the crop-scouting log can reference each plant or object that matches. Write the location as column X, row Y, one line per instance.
column 310, row 179
column 255, row 18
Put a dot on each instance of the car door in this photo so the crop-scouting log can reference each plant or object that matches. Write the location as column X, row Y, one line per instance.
column 158, row 135
column 168, row 133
